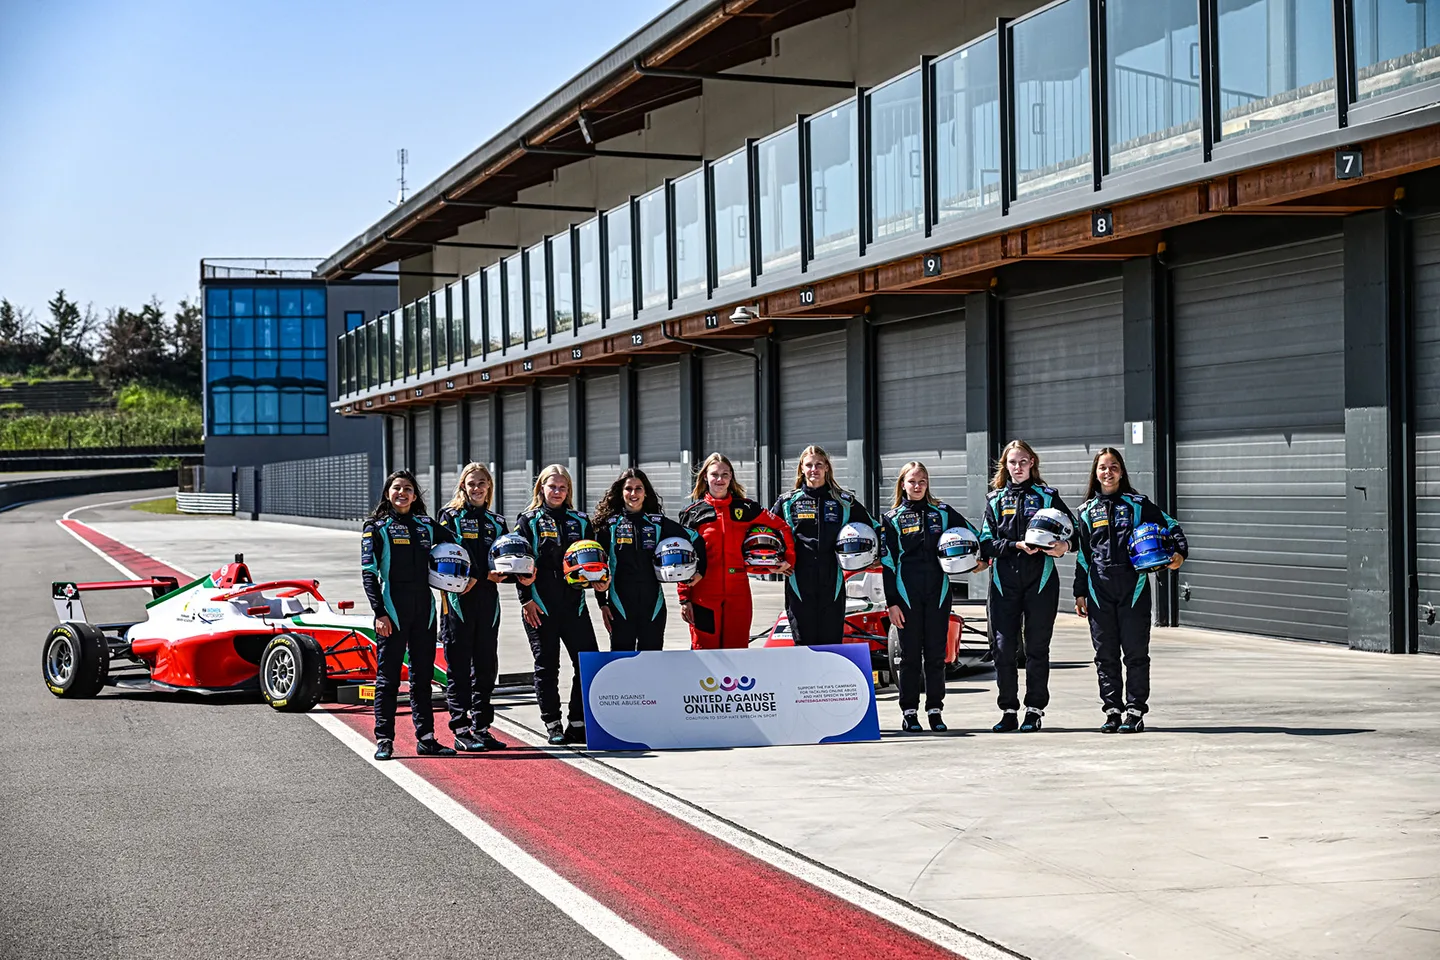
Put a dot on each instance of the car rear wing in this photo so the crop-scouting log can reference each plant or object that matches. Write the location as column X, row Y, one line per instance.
column 66, row 593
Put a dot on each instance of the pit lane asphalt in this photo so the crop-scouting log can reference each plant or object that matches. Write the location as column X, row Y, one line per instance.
column 150, row 825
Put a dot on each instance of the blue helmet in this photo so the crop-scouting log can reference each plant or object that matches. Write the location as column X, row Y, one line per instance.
column 1147, row 548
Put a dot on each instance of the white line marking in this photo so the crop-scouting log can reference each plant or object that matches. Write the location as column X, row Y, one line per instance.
column 605, row 925
column 108, row 503
column 905, row 916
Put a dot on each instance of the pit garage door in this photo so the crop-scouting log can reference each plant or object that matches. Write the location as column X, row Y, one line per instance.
column 555, row 425
column 449, row 461
column 1426, row 364
column 1260, row 441
column 727, row 410
column 480, row 449
column 399, row 459
column 657, row 405
column 425, row 454
column 517, row 479
column 1064, row 386
column 812, row 404
column 602, row 436
column 920, row 405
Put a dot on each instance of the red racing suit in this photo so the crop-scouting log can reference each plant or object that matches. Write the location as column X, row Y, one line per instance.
column 720, row 604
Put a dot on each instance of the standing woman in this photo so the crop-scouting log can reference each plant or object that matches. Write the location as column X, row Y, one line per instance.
column 395, row 547
column 816, row 510
column 917, row 590
column 719, row 609
column 554, row 611
column 470, row 620
column 1024, row 588
column 1112, row 594
column 629, row 525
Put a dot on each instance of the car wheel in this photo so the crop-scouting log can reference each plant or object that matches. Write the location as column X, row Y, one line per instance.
column 894, row 646
column 75, row 660
column 292, row 672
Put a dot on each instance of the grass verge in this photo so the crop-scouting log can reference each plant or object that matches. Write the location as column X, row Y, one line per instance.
column 162, row 505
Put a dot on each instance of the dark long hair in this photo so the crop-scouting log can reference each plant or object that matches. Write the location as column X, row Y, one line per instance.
column 1092, row 489
column 612, row 501
column 384, row 509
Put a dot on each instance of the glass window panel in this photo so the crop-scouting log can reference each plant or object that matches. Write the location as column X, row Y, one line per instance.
column 424, row 327
column 314, row 302
column 354, row 318
column 589, row 237
column 475, row 316
column 291, row 371
column 412, row 356
column 397, row 347
column 383, row 348
column 315, row 373
column 372, row 354
column 654, row 269
column 217, row 301
column 1052, row 99
column 217, row 370
column 242, row 332
column 1154, row 64
column 732, row 219
column 1397, row 43
column 220, row 405
column 266, row 305
column 267, row 410
column 242, row 302
column 291, row 333
column 622, row 294
column 967, row 161
column 219, row 332
column 290, row 302
column 291, row 408
column 896, row 159
column 440, row 327
column 563, row 282
column 242, row 370
column 832, row 180
column 1277, row 63
column 778, row 164
column 315, row 411
column 315, row 333
column 537, row 302
column 690, row 255
column 514, row 302
column 494, row 309
column 266, row 369
column 457, row 323
column 242, row 409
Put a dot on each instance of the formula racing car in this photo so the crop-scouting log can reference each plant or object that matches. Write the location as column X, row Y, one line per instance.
column 223, row 633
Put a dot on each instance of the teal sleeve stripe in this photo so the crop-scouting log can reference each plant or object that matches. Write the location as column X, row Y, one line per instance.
column 1140, row 588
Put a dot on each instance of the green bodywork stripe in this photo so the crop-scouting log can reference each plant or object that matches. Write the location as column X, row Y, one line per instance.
column 205, row 581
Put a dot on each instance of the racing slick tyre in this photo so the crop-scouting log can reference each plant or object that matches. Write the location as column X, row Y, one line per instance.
column 292, row 672
column 894, row 646
column 75, row 660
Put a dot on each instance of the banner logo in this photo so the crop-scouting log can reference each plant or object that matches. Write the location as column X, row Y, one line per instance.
column 709, row 684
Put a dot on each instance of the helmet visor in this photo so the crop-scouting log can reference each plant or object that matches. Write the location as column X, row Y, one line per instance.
column 674, row 558
column 452, row 568
column 510, row 547
column 958, row 548
column 586, row 556
column 1053, row 525
column 854, row 546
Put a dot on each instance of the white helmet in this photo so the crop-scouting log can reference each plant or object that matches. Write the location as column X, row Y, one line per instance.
column 449, row 567
column 1048, row 527
column 675, row 560
column 959, row 550
column 856, row 546
column 511, row 556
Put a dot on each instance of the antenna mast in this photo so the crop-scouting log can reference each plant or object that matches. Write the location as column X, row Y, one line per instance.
column 402, row 156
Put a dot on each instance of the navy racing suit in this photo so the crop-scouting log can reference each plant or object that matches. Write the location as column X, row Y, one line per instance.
column 470, row 622
column 564, row 618
column 815, row 589
column 636, row 600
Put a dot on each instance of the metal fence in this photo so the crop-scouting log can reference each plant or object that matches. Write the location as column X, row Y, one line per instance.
column 333, row 488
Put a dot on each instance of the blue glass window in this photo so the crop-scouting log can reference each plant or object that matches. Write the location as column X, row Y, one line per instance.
column 353, row 318
column 1396, row 44
column 265, row 360
column 242, row 303
column 217, row 302
column 1275, row 65
column 967, row 94
column 1154, row 65
column 1052, row 99
column 290, row 302
column 315, row 302
column 896, row 168
column 833, row 188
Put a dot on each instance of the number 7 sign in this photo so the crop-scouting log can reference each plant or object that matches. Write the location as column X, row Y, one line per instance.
column 1349, row 164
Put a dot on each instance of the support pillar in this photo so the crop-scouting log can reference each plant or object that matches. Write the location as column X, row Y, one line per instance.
column 860, row 409
column 983, row 392
column 1146, row 393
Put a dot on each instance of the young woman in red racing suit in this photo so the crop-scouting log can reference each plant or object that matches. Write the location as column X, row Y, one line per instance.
column 719, row 609
column 629, row 525
column 470, row 620
column 1024, row 587
column 395, row 547
column 816, row 510
column 1112, row 594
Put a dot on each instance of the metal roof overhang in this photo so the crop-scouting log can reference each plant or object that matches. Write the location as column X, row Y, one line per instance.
column 693, row 35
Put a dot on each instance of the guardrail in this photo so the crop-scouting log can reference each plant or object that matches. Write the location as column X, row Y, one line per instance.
column 188, row 501
column 48, row 488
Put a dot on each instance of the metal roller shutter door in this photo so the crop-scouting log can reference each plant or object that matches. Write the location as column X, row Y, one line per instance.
column 727, row 406
column 480, row 450
column 516, row 478
column 1064, row 386
column 399, row 459
column 920, row 404
column 555, row 425
column 424, row 454
column 449, row 461
column 602, row 436
column 1260, row 441
column 657, row 403
column 1426, row 364
column 812, row 404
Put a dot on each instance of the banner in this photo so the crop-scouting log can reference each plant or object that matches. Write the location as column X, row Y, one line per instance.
column 668, row 699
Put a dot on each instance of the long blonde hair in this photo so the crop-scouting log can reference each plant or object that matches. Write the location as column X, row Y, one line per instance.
column 815, row 451
column 702, row 485
column 460, row 498
column 1002, row 474
column 537, row 497
column 900, row 484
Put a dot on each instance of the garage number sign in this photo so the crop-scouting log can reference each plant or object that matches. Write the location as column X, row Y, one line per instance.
column 1349, row 164
column 1102, row 223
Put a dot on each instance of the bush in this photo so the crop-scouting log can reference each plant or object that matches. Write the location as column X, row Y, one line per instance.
column 144, row 416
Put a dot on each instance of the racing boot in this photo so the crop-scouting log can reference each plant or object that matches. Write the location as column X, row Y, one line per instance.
column 936, row 724
column 384, row 749
column 491, row 741
column 556, row 733
column 1032, row 721
column 1112, row 722
column 910, row 722
column 430, row 747
column 1134, row 722
column 1007, row 723
column 575, row 733
column 470, row 742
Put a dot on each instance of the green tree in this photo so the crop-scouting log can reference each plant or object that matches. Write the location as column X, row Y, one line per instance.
column 131, row 346
column 64, row 341
column 185, row 335
column 16, row 326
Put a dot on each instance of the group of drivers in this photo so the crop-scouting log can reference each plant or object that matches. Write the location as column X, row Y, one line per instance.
column 814, row 535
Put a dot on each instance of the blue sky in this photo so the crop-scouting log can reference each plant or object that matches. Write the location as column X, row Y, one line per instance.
column 137, row 136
